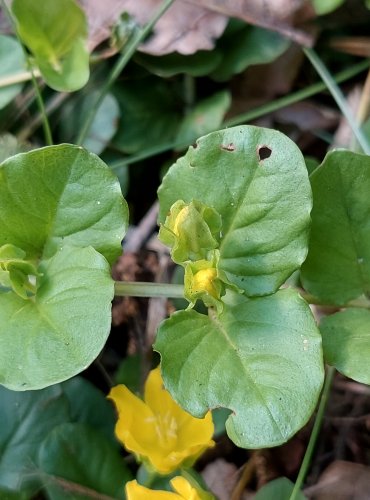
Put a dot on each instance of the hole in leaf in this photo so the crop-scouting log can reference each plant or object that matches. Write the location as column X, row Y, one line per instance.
column 228, row 147
column 264, row 152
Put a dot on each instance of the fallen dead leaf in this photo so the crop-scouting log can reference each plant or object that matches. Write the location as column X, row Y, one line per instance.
column 101, row 16
column 276, row 16
column 184, row 28
column 221, row 478
column 342, row 481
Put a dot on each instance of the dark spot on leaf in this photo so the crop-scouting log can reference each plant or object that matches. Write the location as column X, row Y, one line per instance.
column 228, row 147
column 263, row 152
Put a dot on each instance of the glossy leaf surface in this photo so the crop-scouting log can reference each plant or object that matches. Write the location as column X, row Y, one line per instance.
column 57, row 195
column 59, row 47
column 61, row 331
column 261, row 358
column 76, row 458
column 26, row 418
column 12, row 62
column 337, row 268
column 257, row 181
column 346, row 343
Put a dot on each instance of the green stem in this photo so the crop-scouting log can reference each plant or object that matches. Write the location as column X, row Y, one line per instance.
column 269, row 107
column 119, row 66
column 148, row 289
column 40, row 102
column 314, row 434
column 338, row 97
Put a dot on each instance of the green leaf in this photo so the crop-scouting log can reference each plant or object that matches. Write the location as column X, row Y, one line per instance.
column 278, row 489
column 244, row 45
column 199, row 64
column 9, row 146
column 59, row 48
column 26, row 418
column 325, row 6
column 63, row 329
column 337, row 268
column 206, row 116
column 103, row 127
column 74, row 458
column 57, row 195
column 346, row 343
column 12, row 62
column 88, row 405
column 261, row 358
column 148, row 119
column 256, row 179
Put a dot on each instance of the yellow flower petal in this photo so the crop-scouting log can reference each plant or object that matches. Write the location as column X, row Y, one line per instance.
column 135, row 491
column 159, row 430
column 185, row 490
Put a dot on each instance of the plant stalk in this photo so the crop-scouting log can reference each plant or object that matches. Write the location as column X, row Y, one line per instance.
column 148, row 289
column 338, row 97
column 119, row 66
column 269, row 107
column 314, row 434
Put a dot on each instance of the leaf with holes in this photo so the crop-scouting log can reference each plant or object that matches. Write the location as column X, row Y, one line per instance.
column 261, row 358
column 337, row 268
column 257, row 181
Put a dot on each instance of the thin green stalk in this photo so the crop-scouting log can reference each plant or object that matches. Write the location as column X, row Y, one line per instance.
column 119, row 66
column 338, row 97
column 277, row 104
column 40, row 102
column 314, row 434
column 148, row 289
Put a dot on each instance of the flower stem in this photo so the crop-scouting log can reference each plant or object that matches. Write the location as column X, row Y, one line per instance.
column 314, row 434
column 338, row 97
column 121, row 63
column 148, row 289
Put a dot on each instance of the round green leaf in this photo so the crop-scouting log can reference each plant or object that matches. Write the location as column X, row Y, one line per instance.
column 206, row 116
column 346, row 343
column 79, row 463
column 57, row 195
column 278, row 489
column 61, row 331
column 148, row 119
column 12, row 62
column 103, row 127
column 26, row 418
column 257, row 181
column 59, row 48
column 337, row 268
column 199, row 64
column 243, row 45
column 261, row 358
column 88, row 405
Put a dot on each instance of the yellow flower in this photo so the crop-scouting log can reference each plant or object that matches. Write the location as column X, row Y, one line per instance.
column 157, row 429
column 184, row 491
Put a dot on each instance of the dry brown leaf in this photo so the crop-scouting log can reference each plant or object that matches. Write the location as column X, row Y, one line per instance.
column 220, row 477
column 184, row 28
column 342, row 481
column 276, row 15
column 101, row 16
